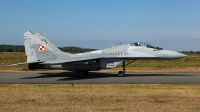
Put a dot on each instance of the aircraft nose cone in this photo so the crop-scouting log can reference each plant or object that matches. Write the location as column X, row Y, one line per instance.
column 180, row 55
column 173, row 54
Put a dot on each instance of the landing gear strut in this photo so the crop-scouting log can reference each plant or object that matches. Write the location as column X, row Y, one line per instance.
column 82, row 74
column 122, row 73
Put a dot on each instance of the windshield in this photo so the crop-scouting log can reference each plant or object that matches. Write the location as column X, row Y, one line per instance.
column 138, row 44
column 145, row 45
column 150, row 46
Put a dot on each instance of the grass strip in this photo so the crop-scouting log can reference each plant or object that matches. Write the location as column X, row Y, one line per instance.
column 99, row 97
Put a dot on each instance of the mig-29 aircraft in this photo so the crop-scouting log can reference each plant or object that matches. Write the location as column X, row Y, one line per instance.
column 42, row 54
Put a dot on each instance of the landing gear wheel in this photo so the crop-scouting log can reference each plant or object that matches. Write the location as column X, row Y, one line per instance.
column 82, row 74
column 121, row 73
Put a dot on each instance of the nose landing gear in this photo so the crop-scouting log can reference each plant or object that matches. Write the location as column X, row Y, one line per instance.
column 122, row 73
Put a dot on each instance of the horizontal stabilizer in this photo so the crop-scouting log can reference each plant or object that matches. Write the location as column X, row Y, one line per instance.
column 23, row 63
column 17, row 64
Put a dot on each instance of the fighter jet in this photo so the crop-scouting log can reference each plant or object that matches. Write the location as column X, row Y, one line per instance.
column 42, row 54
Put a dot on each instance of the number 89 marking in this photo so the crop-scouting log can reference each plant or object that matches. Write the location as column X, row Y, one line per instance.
column 110, row 63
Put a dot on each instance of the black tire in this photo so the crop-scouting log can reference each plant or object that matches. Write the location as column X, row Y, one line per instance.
column 121, row 73
column 82, row 74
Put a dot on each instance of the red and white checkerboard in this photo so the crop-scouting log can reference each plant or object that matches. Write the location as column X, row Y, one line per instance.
column 42, row 48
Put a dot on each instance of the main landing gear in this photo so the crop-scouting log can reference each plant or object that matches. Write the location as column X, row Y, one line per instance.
column 122, row 73
column 82, row 73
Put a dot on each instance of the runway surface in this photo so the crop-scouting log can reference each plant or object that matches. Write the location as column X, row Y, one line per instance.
column 100, row 78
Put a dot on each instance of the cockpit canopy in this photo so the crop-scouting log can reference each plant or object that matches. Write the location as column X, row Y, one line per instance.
column 145, row 45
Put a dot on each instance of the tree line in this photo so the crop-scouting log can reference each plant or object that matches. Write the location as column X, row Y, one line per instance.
column 21, row 48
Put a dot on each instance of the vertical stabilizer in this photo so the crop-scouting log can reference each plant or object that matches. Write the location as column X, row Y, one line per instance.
column 36, row 49
column 28, row 34
column 31, row 57
column 45, row 40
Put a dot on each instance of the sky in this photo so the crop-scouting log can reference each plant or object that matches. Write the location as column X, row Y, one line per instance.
column 169, row 24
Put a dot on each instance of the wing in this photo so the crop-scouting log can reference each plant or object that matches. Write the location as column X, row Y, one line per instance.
column 71, row 59
column 75, row 59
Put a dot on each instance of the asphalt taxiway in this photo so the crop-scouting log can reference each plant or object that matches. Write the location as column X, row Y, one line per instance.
column 100, row 78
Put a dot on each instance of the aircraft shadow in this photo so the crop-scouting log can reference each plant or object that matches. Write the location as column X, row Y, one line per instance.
column 69, row 76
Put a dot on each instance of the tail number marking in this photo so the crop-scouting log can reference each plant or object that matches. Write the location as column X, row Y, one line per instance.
column 110, row 63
